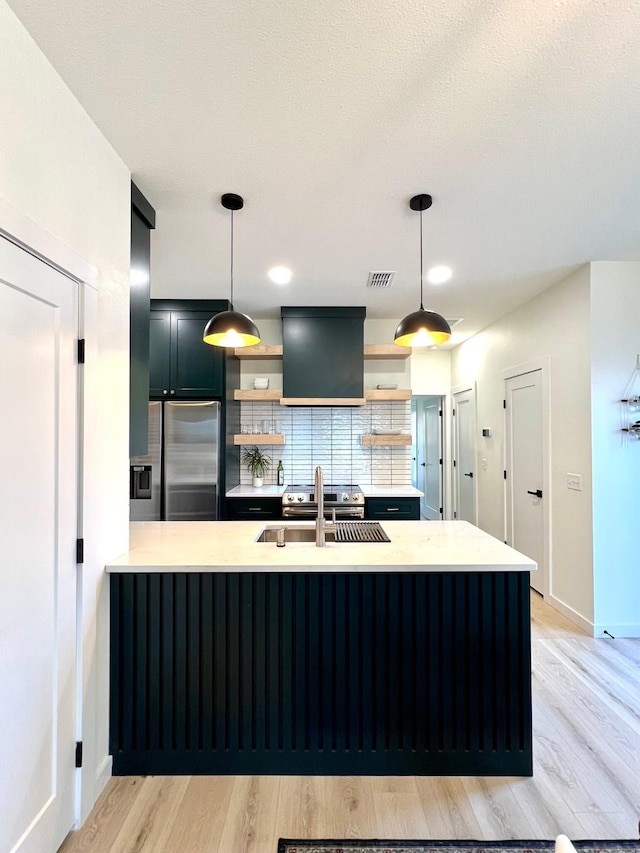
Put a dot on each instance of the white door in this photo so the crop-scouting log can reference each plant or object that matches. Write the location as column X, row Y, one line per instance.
column 38, row 523
column 432, row 457
column 427, row 470
column 464, row 443
column 525, row 499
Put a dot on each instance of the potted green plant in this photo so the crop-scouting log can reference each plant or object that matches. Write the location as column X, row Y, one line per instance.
column 257, row 462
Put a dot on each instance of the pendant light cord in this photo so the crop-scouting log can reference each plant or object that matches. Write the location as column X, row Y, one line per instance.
column 231, row 300
column 421, row 302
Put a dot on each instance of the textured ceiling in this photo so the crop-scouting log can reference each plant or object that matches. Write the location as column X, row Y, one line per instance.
column 520, row 118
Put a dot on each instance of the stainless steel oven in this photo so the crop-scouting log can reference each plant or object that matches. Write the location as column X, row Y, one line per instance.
column 298, row 501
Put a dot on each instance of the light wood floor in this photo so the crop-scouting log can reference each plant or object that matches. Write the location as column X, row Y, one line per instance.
column 586, row 780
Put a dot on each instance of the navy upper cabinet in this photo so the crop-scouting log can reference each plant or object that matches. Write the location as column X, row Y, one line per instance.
column 181, row 365
column 143, row 220
column 323, row 352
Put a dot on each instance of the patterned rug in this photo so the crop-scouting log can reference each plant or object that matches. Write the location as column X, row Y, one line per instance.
column 288, row 845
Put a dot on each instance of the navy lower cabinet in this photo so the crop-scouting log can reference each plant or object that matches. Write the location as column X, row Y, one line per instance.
column 247, row 509
column 307, row 673
column 394, row 509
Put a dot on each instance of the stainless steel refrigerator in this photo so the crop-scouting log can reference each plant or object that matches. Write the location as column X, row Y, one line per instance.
column 178, row 478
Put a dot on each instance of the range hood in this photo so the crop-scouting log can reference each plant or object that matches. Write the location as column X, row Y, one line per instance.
column 322, row 357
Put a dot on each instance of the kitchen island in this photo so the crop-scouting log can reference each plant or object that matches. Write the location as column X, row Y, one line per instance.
column 234, row 656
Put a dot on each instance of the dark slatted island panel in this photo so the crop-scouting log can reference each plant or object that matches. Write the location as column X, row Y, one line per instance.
column 367, row 674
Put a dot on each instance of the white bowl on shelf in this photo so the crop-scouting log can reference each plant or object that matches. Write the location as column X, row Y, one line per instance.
column 260, row 384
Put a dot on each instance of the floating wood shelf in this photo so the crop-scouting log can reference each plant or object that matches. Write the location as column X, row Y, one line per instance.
column 386, row 440
column 255, row 394
column 274, row 395
column 375, row 394
column 270, row 438
column 260, row 351
column 378, row 351
column 386, row 351
column 323, row 401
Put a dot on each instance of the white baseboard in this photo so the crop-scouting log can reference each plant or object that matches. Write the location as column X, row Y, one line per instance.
column 617, row 631
column 571, row 614
column 103, row 775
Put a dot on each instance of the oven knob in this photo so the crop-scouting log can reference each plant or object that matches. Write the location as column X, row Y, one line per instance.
column 345, row 497
column 289, row 497
column 300, row 498
column 355, row 497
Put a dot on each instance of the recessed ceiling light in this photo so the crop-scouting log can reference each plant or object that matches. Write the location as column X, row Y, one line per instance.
column 438, row 275
column 280, row 275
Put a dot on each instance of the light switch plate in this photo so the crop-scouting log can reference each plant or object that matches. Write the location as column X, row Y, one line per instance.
column 574, row 481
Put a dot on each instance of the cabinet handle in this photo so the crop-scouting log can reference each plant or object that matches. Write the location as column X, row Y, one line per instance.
column 164, row 391
column 255, row 508
column 393, row 509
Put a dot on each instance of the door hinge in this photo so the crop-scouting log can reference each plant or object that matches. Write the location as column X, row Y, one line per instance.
column 454, row 463
column 78, row 753
column 440, row 412
column 453, row 412
column 505, row 474
column 440, row 510
column 455, row 514
column 79, row 550
column 440, row 461
column 504, row 404
column 81, row 349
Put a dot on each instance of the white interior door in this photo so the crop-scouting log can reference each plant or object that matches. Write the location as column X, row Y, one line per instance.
column 525, row 498
column 464, row 443
column 432, row 456
column 428, row 442
column 418, row 465
column 38, row 524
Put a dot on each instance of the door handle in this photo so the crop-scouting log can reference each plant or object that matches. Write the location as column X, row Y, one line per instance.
column 423, row 464
column 469, row 475
column 537, row 493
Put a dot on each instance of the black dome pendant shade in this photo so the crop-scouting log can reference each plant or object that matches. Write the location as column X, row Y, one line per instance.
column 231, row 328
column 422, row 328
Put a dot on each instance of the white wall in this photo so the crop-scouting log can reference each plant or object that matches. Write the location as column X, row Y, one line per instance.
column 615, row 344
column 555, row 324
column 57, row 169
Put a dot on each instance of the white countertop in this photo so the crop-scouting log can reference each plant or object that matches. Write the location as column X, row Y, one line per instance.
column 391, row 492
column 252, row 492
column 367, row 491
column 222, row 546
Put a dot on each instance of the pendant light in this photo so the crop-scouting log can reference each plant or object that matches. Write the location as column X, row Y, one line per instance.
column 422, row 328
column 231, row 328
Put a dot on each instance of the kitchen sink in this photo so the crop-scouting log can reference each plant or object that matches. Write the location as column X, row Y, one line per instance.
column 344, row 531
column 292, row 534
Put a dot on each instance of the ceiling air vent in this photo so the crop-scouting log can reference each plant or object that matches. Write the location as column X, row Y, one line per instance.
column 380, row 279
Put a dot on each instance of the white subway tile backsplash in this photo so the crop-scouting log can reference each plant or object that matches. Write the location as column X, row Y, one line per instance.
column 332, row 437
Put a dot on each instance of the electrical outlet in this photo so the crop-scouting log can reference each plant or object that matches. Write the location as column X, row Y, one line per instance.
column 484, row 464
column 574, row 481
